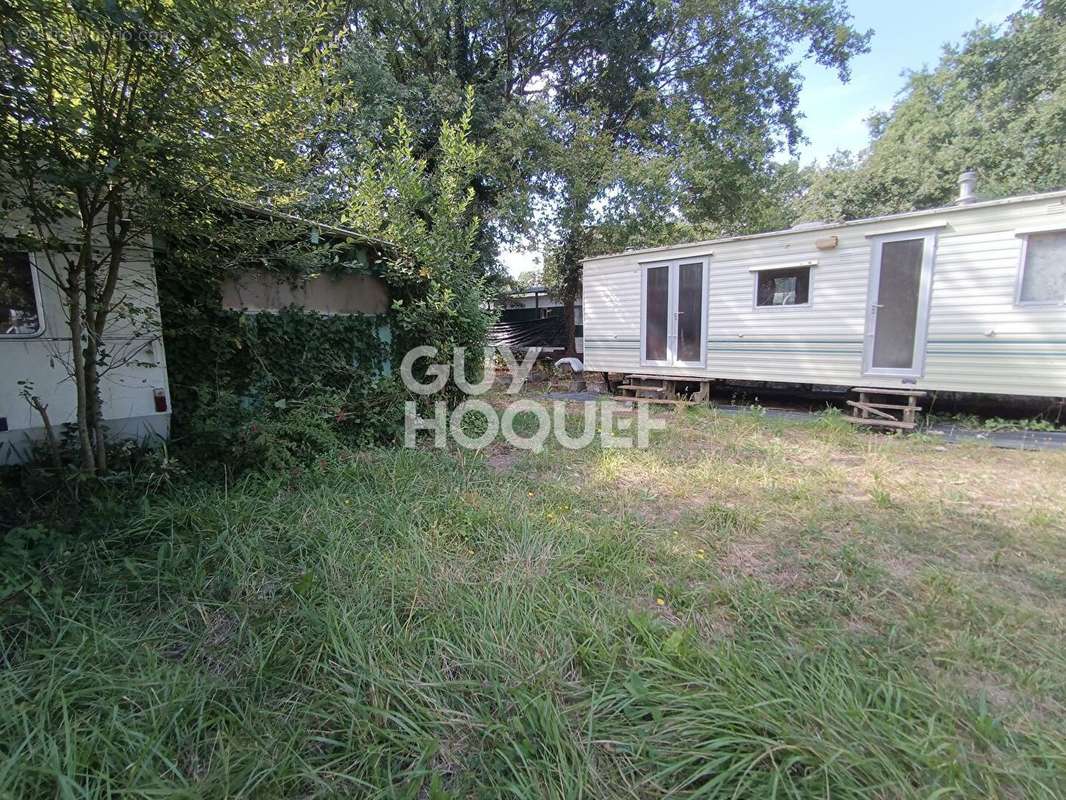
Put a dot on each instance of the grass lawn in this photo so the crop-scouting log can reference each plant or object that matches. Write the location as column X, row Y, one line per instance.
column 748, row 608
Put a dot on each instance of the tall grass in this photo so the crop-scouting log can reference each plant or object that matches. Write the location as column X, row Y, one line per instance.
column 418, row 624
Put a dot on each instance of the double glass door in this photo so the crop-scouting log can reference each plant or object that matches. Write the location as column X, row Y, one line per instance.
column 674, row 313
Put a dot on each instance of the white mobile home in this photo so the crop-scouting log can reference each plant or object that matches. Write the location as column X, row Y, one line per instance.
column 968, row 298
column 35, row 347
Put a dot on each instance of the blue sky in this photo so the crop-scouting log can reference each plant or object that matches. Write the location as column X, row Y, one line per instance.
column 908, row 34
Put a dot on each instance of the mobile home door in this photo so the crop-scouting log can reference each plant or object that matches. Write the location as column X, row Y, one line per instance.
column 674, row 313
column 897, row 315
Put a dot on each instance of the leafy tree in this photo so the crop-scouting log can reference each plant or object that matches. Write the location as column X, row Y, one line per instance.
column 437, row 286
column 996, row 104
column 422, row 59
column 590, row 113
column 669, row 116
column 107, row 109
column 529, row 278
column 767, row 203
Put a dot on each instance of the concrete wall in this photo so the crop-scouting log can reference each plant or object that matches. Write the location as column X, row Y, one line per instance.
column 257, row 290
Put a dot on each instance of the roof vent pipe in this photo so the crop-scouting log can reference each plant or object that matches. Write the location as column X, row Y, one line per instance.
column 967, row 188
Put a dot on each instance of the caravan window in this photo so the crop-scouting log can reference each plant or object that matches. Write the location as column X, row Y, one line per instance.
column 783, row 287
column 1043, row 278
column 19, row 311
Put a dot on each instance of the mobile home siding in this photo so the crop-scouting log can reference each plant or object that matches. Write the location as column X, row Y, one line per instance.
column 138, row 364
column 979, row 340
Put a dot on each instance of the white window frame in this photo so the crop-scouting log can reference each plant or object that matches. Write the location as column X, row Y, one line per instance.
column 35, row 278
column 756, row 271
column 925, row 299
column 1024, row 236
column 674, row 267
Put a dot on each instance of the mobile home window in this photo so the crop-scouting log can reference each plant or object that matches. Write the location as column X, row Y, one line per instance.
column 19, row 314
column 783, row 287
column 1043, row 268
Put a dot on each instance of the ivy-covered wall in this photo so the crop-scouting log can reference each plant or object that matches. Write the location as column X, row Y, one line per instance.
column 270, row 355
column 265, row 361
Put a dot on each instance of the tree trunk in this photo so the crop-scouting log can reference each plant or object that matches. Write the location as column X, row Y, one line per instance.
column 92, row 372
column 569, row 269
column 77, row 353
column 568, row 316
column 97, row 314
column 49, row 432
column 98, row 301
column 96, row 411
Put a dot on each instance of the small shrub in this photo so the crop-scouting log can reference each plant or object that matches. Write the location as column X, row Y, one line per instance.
column 22, row 550
column 976, row 422
column 281, row 433
column 44, row 508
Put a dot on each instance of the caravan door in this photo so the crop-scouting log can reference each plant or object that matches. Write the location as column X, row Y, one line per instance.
column 897, row 314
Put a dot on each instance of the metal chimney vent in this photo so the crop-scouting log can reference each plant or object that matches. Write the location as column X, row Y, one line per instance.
column 967, row 188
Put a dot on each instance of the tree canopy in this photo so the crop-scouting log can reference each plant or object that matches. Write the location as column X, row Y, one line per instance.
column 666, row 114
column 995, row 104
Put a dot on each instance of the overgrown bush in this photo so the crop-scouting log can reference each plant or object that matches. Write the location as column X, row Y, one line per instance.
column 273, row 391
column 44, row 509
column 426, row 205
column 269, row 390
column 241, row 435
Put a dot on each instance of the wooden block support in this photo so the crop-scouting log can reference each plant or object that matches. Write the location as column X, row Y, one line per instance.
column 656, row 400
column 883, row 423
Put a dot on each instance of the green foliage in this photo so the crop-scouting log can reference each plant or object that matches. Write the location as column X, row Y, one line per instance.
column 300, row 431
column 529, row 278
column 997, row 423
column 996, row 104
column 1027, row 424
column 269, row 355
column 271, row 361
column 227, row 431
column 22, row 551
column 284, row 351
column 45, row 509
column 108, row 109
column 259, row 390
column 153, row 94
column 428, row 210
column 680, row 127
column 591, row 113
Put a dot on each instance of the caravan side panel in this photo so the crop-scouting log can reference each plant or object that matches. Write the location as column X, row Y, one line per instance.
column 43, row 361
column 611, row 306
